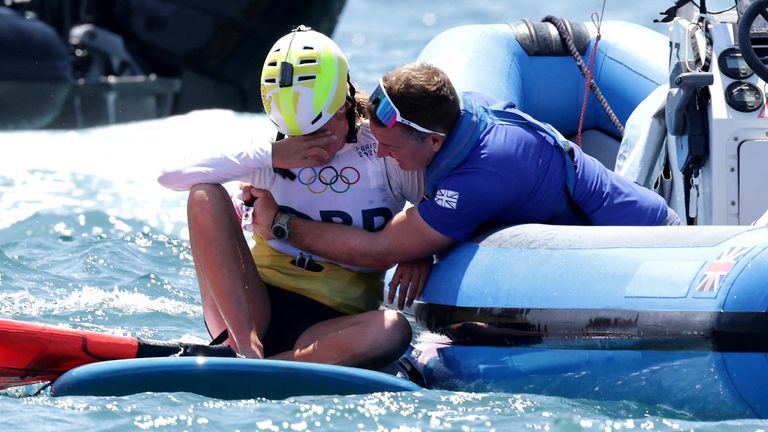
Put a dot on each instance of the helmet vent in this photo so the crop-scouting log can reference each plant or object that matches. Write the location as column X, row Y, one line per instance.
column 272, row 64
column 306, row 78
column 307, row 61
column 317, row 118
column 270, row 80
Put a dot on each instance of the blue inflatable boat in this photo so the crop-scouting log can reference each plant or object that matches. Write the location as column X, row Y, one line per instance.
column 669, row 316
column 672, row 316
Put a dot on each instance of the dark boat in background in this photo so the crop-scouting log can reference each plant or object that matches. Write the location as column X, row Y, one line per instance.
column 82, row 63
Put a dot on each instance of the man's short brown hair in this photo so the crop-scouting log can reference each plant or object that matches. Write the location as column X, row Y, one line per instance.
column 423, row 94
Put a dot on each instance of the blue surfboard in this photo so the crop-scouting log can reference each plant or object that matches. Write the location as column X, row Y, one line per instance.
column 224, row 378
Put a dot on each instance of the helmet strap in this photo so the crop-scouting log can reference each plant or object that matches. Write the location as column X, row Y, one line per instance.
column 351, row 113
column 283, row 172
column 286, row 67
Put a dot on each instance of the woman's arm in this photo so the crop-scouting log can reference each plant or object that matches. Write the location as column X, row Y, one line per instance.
column 219, row 167
column 292, row 152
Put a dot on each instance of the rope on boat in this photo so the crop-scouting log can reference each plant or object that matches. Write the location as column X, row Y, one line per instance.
column 587, row 73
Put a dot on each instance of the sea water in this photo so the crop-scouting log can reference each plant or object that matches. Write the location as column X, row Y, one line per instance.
column 88, row 239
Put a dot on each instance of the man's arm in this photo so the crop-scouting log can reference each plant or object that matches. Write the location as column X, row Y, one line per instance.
column 406, row 237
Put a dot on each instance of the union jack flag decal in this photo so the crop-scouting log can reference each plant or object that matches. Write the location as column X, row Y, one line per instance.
column 447, row 198
column 718, row 269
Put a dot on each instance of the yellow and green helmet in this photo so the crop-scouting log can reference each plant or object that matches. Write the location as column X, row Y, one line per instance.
column 303, row 82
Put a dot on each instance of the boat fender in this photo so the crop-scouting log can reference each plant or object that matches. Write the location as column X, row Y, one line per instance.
column 543, row 39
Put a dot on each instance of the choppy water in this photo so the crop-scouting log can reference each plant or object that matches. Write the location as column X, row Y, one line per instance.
column 89, row 240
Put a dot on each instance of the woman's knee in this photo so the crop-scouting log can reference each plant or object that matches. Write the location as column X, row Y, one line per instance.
column 395, row 319
column 398, row 327
column 383, row 337
column 204, row 196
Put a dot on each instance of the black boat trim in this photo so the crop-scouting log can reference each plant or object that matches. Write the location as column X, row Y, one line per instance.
column 601, row 329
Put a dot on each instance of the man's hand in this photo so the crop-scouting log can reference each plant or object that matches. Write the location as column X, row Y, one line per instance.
column 411, row 276
column 264, row 212
column 302, row 151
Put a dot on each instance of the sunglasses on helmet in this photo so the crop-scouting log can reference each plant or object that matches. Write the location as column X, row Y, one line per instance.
column 388, row 114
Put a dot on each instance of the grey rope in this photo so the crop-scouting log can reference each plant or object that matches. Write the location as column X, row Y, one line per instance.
column 566, row 37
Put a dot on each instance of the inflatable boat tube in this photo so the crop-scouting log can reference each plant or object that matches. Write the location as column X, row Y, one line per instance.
column 674, row 316
column 542, row 77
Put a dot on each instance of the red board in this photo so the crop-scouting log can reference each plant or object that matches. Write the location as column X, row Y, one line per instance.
column 32, row 353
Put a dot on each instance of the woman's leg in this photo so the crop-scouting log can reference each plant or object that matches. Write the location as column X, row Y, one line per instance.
column 370, row 339
column 233, row 295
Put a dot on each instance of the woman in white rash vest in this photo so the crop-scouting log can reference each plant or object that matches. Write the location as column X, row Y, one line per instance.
column 276, row 301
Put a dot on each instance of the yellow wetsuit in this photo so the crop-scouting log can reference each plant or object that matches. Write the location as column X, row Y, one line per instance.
column 345, row 290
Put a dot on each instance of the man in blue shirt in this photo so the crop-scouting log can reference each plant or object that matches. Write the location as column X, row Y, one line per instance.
column 486, row 166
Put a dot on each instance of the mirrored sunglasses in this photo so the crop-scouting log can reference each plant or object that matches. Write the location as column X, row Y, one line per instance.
column 388, row 114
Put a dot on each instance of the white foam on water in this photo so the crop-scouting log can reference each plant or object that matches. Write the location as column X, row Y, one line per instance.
column 93, row 301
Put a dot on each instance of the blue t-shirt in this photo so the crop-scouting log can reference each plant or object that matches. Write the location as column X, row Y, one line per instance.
column 514, row 176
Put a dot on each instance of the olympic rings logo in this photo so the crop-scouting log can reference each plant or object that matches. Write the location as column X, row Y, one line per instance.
column 329, row 177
